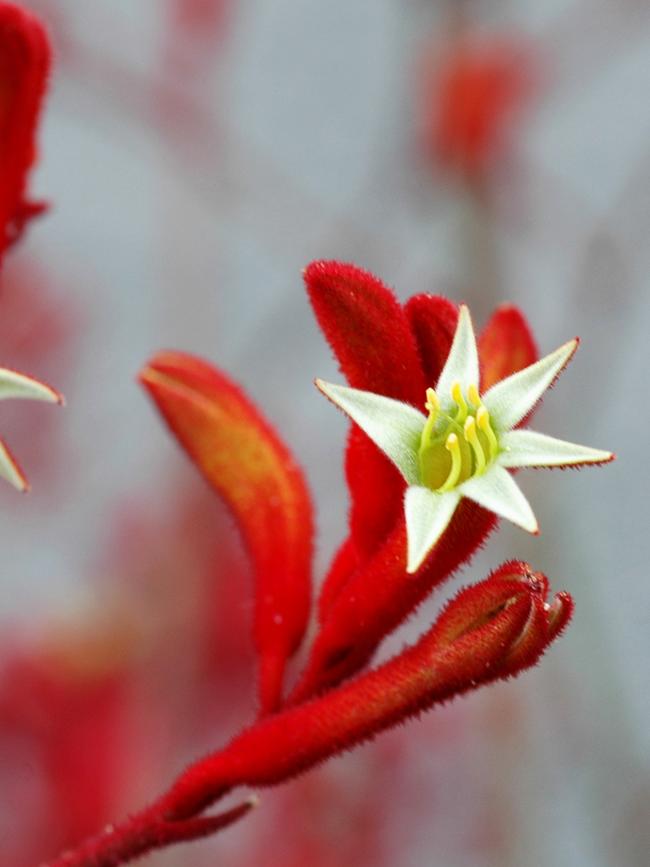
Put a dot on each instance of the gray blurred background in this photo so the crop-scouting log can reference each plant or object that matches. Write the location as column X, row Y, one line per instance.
column 191, row 184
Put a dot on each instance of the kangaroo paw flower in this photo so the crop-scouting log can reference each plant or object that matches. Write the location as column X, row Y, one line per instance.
column 467, row 443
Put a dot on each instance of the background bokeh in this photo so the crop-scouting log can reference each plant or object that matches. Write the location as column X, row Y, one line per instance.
column 198, row 153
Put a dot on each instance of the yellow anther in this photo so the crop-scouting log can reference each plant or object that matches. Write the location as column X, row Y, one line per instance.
column 483, row 421
column 453, row 447
column 474, row 396
column 433, row 404
column 472, row 438
column 457, row 397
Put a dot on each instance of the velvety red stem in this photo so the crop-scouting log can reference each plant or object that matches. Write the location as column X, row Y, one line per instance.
column 145, row 832
column 475, row 641
column 431, row 671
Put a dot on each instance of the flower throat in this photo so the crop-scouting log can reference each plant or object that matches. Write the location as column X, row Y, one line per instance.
column 457, row 445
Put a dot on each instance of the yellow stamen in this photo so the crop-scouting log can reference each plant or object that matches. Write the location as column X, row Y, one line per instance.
column 457, row 397
column 472, row 438
column 474, row 396
column 483, row 421
column 433, row 406
column 453, row 447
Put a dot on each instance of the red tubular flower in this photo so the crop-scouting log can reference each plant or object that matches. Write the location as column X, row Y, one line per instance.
column 24, row 67
column 399, row 350
column 492, row 630
column 244, row 460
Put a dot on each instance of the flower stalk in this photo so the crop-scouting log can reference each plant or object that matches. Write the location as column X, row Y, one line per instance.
column 477, row 639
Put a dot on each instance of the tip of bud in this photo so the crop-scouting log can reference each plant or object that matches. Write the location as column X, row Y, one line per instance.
column 513, row 584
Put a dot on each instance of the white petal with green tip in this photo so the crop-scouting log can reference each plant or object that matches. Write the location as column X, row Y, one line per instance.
column 462, row 362
column 512, row 398
column 14, row 384
column 393, row 426
column 427, row 517
column 527, row 448
column 497, row 491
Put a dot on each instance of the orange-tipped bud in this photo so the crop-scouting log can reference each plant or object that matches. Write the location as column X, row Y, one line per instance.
column 243, row 459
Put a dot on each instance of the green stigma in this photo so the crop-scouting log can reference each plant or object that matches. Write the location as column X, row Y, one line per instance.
column 456, row 446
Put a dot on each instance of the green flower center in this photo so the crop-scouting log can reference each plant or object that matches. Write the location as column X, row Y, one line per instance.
column 457, row 445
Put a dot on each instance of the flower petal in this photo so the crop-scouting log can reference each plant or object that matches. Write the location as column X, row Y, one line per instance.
column 527, row 448
column 497, row 491
column 433, row 322
column 368, row 330
column 14, row 384
column 375, row 347
column 376, row 492
column 427, row 517
column 10, row 469
column 393, row 426
column 462, row 362
column 505, row 345
column 510, row 400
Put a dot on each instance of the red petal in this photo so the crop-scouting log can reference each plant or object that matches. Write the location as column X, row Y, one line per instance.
column 368, row 330
column 433, row 321
column 371, row 337
column 505, row 346
column 24, row 66
column 244, row 460
column 376, row 490
column 560, row 613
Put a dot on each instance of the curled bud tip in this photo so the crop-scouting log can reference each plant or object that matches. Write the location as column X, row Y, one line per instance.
column 559, row 613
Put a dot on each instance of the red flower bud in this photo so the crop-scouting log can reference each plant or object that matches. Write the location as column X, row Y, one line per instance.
column 470, row 98
column 476, row 640
column 244, row 460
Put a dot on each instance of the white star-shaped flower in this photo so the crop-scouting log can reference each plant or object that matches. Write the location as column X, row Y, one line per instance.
column 468, row 442
column 14, row 384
